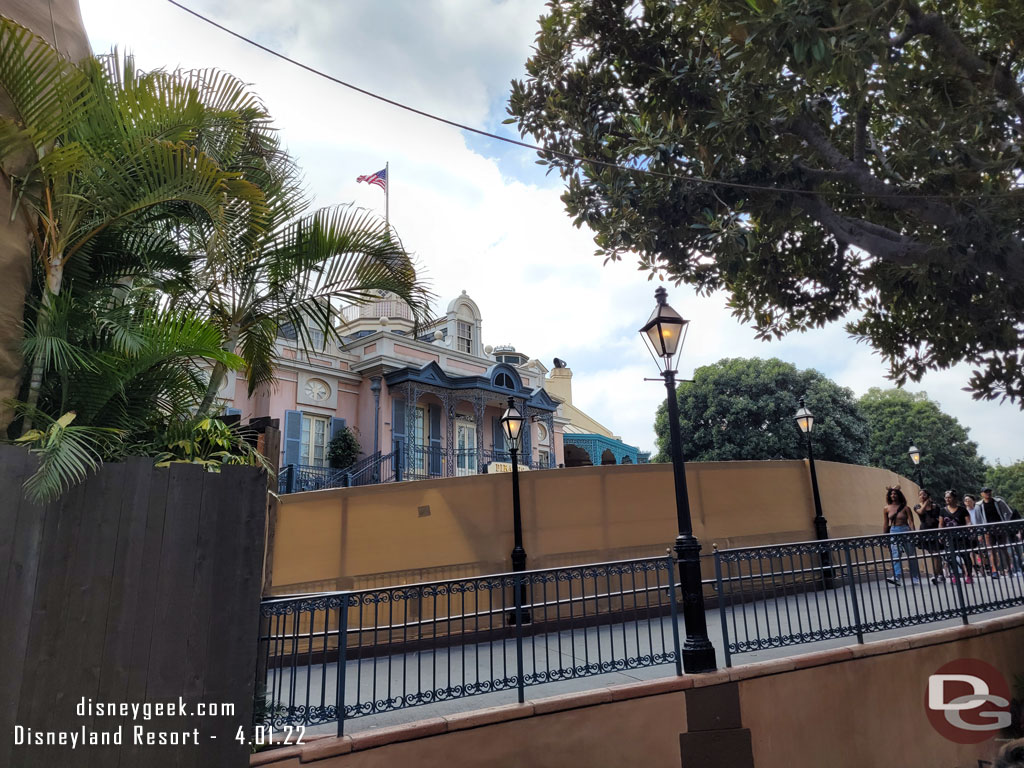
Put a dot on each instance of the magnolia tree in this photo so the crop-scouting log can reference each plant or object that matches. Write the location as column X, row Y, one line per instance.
column 817, row 160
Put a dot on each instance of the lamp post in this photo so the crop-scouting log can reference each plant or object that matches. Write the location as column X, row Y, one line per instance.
column 805, row 421
column 915, row 456
column 664, row 333
column 512, row 423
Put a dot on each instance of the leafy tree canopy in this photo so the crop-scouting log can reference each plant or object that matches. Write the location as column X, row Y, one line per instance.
column 1008, row 482
column 743, row 408
column 870, row 154
column 899, row 419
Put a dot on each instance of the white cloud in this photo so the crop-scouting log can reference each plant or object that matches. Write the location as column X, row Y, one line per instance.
column 508, row 242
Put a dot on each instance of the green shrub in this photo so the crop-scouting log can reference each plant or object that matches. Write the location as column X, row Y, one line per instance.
column 343, row 450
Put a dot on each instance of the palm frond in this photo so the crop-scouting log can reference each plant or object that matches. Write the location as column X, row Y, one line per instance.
column 48, row 339
column 47, row 93
column 67, row 453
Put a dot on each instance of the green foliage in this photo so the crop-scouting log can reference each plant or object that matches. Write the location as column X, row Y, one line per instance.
column 66, row 454
column 208, row 442
column 343, row 449
column 871, row 152
column 898, row 419
column 170, row 234
column 742, row 408
column 290, row 272
column 118, row 359
column 1008, row 482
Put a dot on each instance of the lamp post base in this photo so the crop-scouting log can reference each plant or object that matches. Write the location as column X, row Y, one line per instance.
column 698, row 657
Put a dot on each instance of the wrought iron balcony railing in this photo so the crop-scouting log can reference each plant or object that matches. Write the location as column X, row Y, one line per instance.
column 404, row 463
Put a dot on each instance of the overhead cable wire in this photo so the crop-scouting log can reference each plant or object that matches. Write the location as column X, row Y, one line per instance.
column 580, row 158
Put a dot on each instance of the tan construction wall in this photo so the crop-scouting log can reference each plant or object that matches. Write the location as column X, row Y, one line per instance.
column 434, row 529
column 848, row 707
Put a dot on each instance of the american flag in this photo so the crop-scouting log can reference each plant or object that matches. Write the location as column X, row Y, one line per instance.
column 380, row 178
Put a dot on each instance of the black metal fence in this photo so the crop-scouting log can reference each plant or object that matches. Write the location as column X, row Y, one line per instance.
column 337, row 656
column 788, row 594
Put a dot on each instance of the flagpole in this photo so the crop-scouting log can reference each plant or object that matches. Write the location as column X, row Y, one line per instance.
column 387, row 196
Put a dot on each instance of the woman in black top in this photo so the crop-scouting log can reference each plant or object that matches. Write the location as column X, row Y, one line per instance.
column 929, row 514
column 953, row 515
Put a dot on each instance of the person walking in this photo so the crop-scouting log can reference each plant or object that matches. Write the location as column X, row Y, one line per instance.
column 898, row 518
column 955, row 515
column 995, row 510
column 981, row 563
column 928, row 513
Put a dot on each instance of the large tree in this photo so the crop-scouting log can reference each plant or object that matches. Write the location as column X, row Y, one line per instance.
column 867, row 156
column 743, row 408
column 899, row 419
column 1008, row 482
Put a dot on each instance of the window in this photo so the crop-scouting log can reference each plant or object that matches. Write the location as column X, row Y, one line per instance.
column 543, row 458
column 464, row 335
column 504, row 381
column 316, row 337
column 315, row 431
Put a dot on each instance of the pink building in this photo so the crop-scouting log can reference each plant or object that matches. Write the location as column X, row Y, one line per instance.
column 435, row 394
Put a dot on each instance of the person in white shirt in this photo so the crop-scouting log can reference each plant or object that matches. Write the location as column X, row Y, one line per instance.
column 973, row 509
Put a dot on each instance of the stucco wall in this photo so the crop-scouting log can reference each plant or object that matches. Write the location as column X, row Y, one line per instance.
column 843, row 708
column 431, row 529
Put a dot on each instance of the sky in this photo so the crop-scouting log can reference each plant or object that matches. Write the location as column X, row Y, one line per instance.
column 480, row 215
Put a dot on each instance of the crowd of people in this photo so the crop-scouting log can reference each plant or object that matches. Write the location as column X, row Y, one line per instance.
column 993, row 552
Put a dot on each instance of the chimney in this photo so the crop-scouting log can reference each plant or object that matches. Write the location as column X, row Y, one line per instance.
column 559, row 384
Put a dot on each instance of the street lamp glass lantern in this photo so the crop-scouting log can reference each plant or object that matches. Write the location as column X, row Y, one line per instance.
column 915, row 454
column 665, row 331
column 512, row 424
column 804, row 418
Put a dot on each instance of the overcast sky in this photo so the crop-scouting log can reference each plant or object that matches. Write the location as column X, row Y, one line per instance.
column 481, row 216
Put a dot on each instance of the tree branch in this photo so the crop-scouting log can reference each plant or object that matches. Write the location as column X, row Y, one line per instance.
column 880, row 242
column 860, row 136
column 940, row 215
column 976, row 68
column 861, row 177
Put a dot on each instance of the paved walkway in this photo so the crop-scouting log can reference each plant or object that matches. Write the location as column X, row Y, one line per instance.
column 567, row 654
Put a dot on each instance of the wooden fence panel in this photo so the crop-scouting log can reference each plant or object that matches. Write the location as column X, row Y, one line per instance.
column 140, row 586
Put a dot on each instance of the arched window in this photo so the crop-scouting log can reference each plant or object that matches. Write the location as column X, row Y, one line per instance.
column 504, row 381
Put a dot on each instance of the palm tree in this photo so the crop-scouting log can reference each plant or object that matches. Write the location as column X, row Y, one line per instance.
column 292, row 271
column 97, row 145
column 123, row 368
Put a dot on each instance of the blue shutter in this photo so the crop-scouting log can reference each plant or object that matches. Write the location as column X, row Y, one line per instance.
column 232, row 411
column 292, row 437
column 336, row 426
column 397, row 424
column 435, row 440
